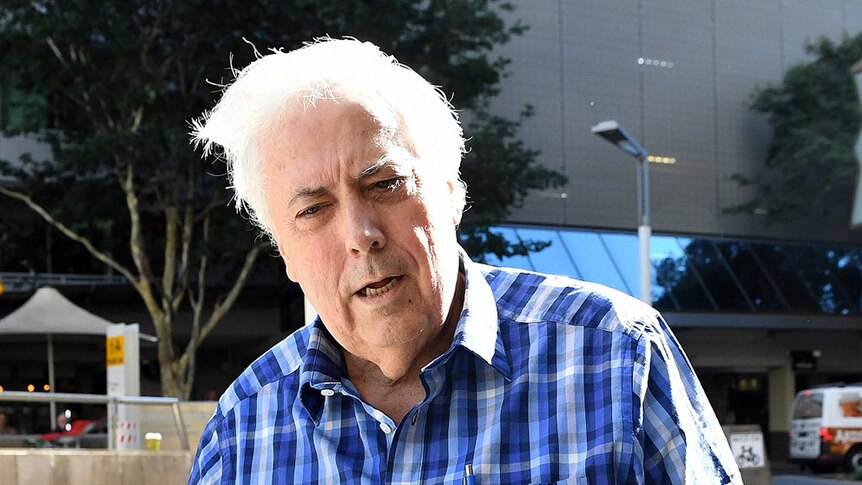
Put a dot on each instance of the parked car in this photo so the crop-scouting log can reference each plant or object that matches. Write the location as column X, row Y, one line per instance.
column 826, row 428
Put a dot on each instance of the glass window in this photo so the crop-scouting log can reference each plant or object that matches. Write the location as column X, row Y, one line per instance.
column 808, row 405
column 624, row 250
column 520, row 262
column 592, row 259
column 830, row 265
column 668, row 263
column 786, row 276
column 700, row 253
column 848, row 270
column 553, row 259
column 813, row 265
column 690, row 274
column 760, row 290
column 680, row 288
column 600, row 261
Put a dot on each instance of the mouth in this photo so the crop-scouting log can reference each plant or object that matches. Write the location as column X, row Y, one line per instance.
column 380, row 287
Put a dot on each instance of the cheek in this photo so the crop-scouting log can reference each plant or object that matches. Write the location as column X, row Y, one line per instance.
column 314, row 269
column 433, row 238
column 319, row 285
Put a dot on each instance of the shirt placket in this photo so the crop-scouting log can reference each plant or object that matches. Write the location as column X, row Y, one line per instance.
column 406, row 456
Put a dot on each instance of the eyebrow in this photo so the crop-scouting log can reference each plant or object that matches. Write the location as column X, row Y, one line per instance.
column 375, row 167
column 306, row 192
column 386, row 161
column 310, row 192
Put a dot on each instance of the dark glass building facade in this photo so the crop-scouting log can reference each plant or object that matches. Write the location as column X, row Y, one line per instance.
column 701, row 274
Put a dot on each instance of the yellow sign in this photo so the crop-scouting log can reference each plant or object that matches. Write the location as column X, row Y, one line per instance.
column 114, row 350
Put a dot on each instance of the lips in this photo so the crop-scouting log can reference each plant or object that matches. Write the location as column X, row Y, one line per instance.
column 379, row 287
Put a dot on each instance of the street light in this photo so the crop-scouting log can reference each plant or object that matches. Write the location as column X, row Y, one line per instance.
column 615, row 134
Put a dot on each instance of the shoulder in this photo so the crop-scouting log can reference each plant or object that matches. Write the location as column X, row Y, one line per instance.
column 279, row 363
column 529, row 297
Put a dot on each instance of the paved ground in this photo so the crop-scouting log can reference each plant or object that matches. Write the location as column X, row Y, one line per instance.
column 788, row 474
column 809, row 480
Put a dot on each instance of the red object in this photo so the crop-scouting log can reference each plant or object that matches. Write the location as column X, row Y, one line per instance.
column 77, row 428
column 826, row 434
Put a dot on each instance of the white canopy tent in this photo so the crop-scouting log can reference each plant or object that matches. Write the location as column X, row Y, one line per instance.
column 49, row 313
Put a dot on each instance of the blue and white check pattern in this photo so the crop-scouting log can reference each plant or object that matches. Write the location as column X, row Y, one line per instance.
column 548, row 380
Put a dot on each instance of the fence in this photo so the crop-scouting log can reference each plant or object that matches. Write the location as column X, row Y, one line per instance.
column 113, row 401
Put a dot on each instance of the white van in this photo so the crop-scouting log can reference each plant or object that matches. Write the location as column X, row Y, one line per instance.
column 826, row 427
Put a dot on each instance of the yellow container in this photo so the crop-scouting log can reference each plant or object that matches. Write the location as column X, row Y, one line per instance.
column 154, row 441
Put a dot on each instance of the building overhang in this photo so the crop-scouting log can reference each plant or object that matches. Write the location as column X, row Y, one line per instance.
column 762, row 321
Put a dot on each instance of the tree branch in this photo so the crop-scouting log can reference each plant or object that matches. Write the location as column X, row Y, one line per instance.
column 170, row 255
column 56, row 51
column 222, row 307
column 185, row 252
column 187, row 361
column 148, row 40
column 139, row 255
column 104, row 258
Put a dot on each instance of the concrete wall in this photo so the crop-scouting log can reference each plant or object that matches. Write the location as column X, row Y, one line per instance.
column 579, row 64
column 160, row 419
column 72, row 467
column 761, row 350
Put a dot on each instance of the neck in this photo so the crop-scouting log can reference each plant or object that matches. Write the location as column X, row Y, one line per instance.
column 391, row 383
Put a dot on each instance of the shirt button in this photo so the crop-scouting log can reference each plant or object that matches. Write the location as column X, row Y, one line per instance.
column 385, row 428
column 327, row 392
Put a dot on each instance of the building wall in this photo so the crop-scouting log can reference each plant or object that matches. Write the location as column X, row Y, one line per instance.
column 578, row 64
column 12, row 147
column 760, row 350
column 679, row 75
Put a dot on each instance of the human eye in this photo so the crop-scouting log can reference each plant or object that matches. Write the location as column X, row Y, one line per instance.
column 390, row 184
column 309, row 211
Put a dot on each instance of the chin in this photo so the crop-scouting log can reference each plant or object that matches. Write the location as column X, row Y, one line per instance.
column 386, row 337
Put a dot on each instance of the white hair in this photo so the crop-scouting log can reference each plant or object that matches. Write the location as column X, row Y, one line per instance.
column 326, row 69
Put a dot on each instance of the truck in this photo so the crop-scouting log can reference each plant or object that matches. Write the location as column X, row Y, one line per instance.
column 826, row 428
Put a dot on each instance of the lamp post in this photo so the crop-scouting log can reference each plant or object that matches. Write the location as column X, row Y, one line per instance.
column 615, row 134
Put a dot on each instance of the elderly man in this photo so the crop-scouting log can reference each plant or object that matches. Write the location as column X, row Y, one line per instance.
column 424, row 367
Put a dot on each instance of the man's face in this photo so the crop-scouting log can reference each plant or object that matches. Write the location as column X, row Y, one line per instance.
column 368, row 236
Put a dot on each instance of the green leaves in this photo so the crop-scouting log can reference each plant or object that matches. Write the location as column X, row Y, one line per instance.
column 499, row 171
column 816, row 119
column 120, row 80
column 111, row 85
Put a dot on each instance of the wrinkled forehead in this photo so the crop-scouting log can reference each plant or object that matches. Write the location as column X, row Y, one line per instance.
column 388, row 129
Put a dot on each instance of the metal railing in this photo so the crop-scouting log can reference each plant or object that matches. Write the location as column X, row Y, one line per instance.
column 23, row 282
column 113, row 401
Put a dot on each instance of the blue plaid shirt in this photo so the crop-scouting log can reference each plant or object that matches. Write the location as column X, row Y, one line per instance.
column 548, row 380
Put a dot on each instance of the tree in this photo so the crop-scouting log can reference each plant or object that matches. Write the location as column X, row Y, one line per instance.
column 499, row 171
column 815, row 116
column 119, row 81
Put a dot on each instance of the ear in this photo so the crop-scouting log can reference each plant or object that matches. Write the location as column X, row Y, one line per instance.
column 457, row 208
column 286, row 259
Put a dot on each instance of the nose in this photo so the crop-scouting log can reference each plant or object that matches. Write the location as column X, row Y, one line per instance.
column 364, row 234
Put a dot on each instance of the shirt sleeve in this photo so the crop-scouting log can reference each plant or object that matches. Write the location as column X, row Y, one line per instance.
column 207, row 467
column 680, row 438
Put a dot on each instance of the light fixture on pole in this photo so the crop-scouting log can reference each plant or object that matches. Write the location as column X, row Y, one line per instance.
column 611, row 131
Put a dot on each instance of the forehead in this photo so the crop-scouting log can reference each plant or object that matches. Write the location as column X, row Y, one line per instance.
column 330, row 127
column 309, row 150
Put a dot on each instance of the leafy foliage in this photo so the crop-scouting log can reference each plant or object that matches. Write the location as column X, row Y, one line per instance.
column 117, row 81
column 499, row 171
column 816, row 119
